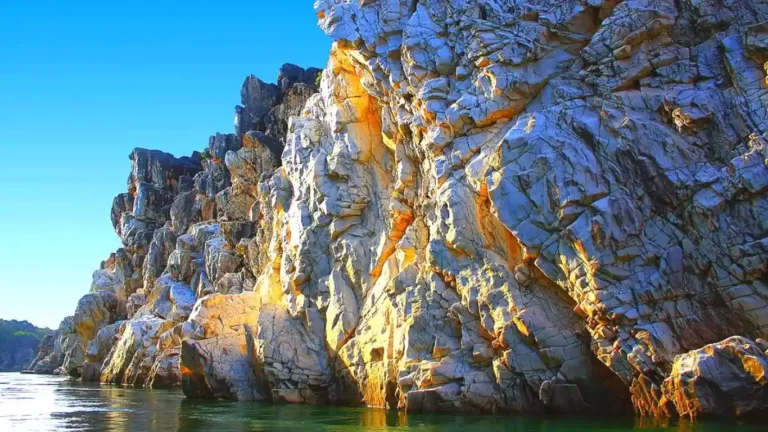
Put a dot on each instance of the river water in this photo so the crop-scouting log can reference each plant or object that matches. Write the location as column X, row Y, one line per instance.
column 43, row 403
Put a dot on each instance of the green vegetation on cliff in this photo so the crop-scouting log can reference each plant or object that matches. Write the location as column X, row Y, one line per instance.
column 18, row 344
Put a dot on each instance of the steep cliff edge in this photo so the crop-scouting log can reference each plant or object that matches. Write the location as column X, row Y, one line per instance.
column 486, row 206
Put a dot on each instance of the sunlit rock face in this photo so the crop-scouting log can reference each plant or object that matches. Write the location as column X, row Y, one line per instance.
column 218, row 350
column 498, row 205
column 485, row 206
column 99, row 348
column 723, row 379
column 187, row 233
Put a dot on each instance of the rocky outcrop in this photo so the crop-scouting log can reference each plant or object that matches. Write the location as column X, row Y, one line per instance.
column 166, row 370
column 489, row 206
column 131, row 358
column 54, row 348
column 218, row 348
column 99, row 348
column 722, row 379
column 94, row 312
column 546, row 185
column 44, row 350
column 185, row 227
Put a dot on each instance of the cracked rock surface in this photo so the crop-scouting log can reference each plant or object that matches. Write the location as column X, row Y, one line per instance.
column 482, row 206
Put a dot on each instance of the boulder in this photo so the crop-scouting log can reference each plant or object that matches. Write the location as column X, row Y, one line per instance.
column 170, row 300
column 131, row 359
column 95, row 311
column 219, row 359
column 99, row 348
column 724, row 379
column 166, row 372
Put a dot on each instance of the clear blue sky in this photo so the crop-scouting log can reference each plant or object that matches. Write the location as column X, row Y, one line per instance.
column 81, row 84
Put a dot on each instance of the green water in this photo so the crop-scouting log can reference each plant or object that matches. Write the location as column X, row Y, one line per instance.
column 37, row 403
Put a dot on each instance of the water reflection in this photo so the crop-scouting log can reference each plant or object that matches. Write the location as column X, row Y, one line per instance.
column 33, row 403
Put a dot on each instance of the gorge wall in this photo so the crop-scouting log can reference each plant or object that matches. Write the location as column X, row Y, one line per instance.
column 481, row 206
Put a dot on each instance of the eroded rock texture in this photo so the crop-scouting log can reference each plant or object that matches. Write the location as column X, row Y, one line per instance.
column 544, row 185
column 726, row 378
column 54, row 349
column 186, row 228
column 488, row 206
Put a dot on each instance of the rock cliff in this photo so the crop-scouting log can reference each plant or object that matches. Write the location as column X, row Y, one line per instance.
column 481, row 206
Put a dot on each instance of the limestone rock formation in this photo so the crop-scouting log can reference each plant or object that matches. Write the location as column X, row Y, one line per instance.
column 218, row 348
column 185, row 226
column 54, row 348
column 166, row 370
column 545, row 184
column 99, row 348
column 40, row 364
column 485, row 206
column 131, row 358
column 721, row 379
column 94, row 312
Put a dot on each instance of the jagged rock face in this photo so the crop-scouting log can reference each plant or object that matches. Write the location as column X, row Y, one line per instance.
column 488, row 196
column 185, row 224
column 40, row 364
column 166, row 371
column 142, row 218
column 257, row 99
column 492, row 206
column 235, row 162
column 218, row 358
column 69, row 349
column 94, row 312
column 293, row 101
column 132, row 357
column 170, row 300
column 267, row 107
column 294, row 360
column 54, row 348
column 99, row 348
